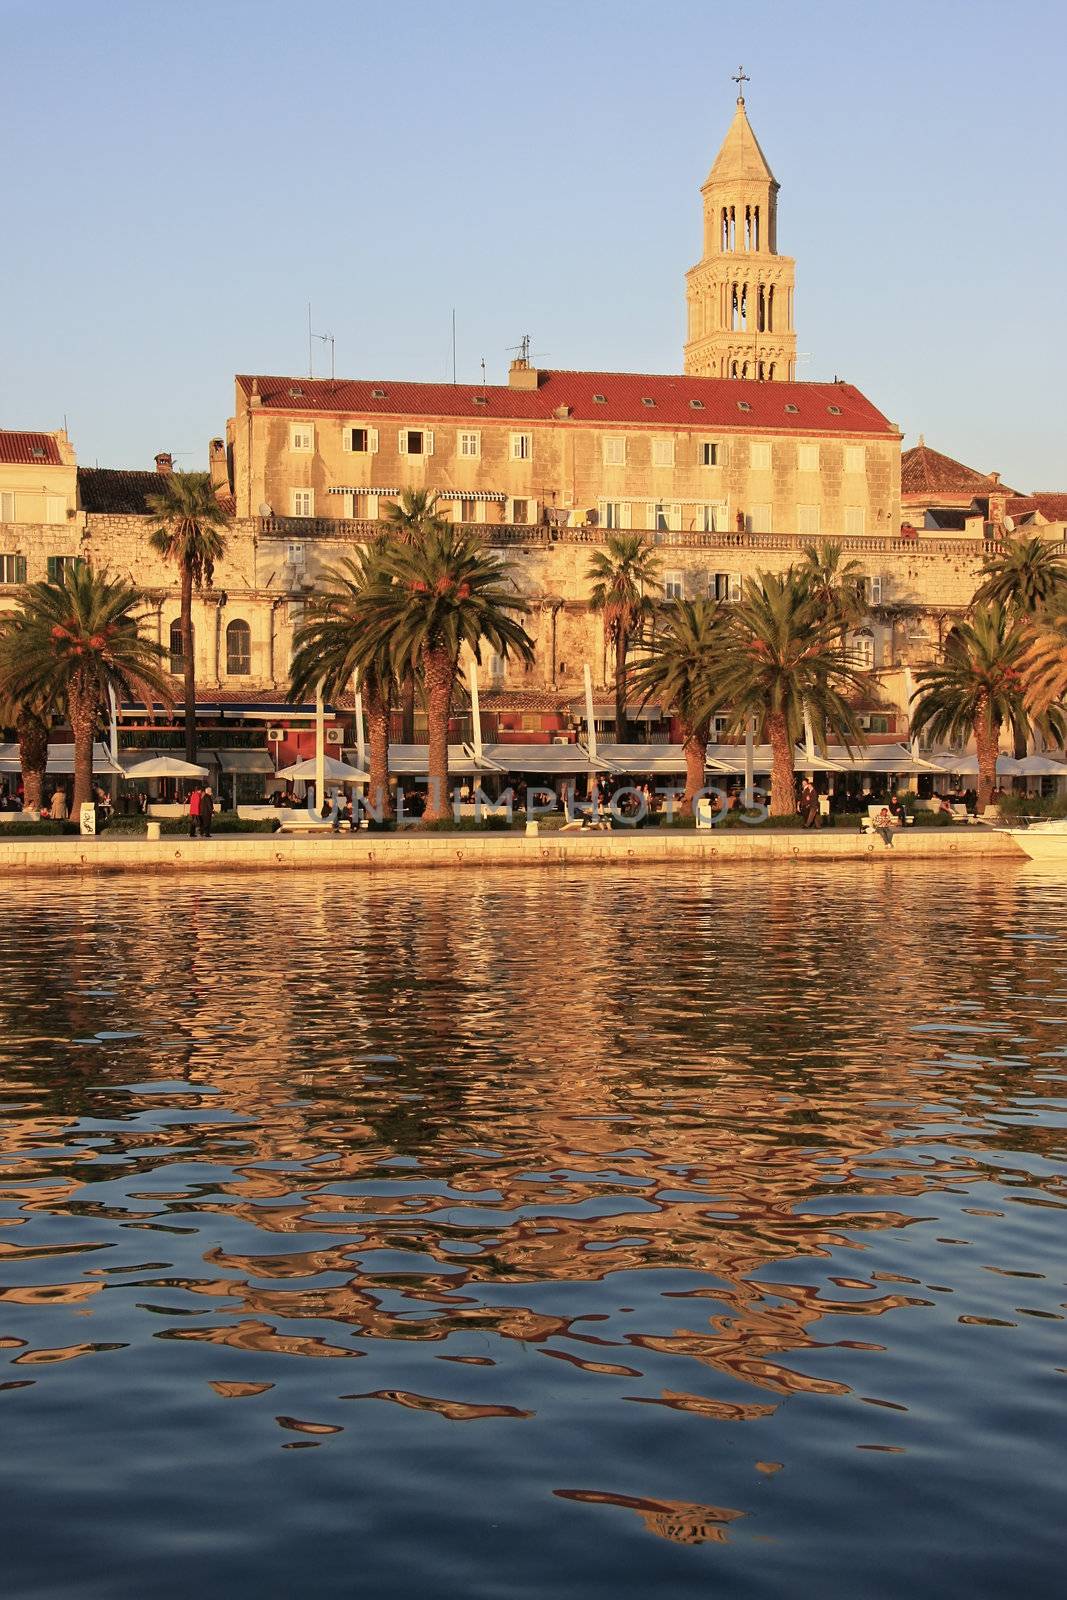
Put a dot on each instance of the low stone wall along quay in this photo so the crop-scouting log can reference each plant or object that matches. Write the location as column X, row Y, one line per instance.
column 260, row 853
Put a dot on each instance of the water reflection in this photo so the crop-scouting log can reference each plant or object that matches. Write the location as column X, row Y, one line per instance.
column 626, row 1160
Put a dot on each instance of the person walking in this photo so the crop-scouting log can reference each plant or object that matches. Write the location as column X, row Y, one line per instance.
column 195, row 801
column 207, row 811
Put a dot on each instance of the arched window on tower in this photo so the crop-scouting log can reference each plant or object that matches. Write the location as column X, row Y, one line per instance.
column 238, row 648
column 755, row 227
column 770, row 309
column 725, row 240
column 177, row 654
column 770, row 373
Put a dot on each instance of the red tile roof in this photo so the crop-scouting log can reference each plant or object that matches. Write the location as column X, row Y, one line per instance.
column 926, row 472
column 113, row 491
column 1053, row 507
column 723, row 402
column 18, row 449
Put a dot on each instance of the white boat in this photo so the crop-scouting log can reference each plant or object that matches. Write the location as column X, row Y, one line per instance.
column 1043, row 841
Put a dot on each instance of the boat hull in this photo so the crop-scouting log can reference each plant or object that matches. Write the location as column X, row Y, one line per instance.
column 1045, row 842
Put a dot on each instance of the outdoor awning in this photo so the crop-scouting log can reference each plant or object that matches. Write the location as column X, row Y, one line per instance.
column 60, row 760
column 604, row 711
column 1040, row 766
column 652, row 760
column 496, row 495
column 963, row 765
column 731, row 757
column 361, row 488
column 255, row 761
column 881, row 758
column 410, row 761
column 547, row 760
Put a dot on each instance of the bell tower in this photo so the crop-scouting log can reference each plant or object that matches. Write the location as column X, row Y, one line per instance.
column 740, row 294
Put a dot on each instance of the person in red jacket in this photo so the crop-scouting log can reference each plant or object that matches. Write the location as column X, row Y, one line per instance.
column 194, row 810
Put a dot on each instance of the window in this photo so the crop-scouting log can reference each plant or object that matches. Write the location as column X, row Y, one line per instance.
column 663, row 452
column 725, row 586
column 520, row 511
column 415, row 442
column 647, row 400
column 709, row 453
column 807, row 458
column 363, row 441
column 55, row 508
column 468, row 511
column 742, row 405
column 835, row 411
column 614, row 448
column 302, row 502
column 177, row 655
column 616, row 514
column 294, row 555
column 713, row 517
column 521, row 446
column 7, row 506
column 470, row 445
column 664, row 517
column 759, row 457
column 758, row 520
column 600, row 399
column 874, row 590
column 238, row 647
column 855, row 521
column 12, row 569
column 697, row 405
column 860, row 649
column 807, row 519
column 57, row 566
column 673, row 586
column 301, row 436
column 855, row 458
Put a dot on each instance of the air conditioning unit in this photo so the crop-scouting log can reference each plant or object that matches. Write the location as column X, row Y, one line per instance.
column 560, row 738
column 335, row 736
column 275, row 735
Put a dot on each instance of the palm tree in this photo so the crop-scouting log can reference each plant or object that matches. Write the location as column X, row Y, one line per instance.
column 1027, row 576
column 78, row 639
column 336, row 644
column 838, row 586
column 409, row 520
column 620, row 575
column 1044, row 662
column 678, row 664
column 781, row 661
column 446, row 591
column 977, row 688
column 192, row 535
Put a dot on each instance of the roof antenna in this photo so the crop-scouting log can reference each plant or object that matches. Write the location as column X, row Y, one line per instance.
column 327, row 338
column 453, row 344
column 483, row 372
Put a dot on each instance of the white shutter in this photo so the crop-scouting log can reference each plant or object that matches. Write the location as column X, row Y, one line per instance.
column 675, row 519
column 735, row 587
column 372, row 508
column 650, row 516
column 350, row 506
column 346, row 436
column 509, row 511
column 876, row 591
column 372, row 441
column 7, row 506
column 427, row 443
column 480, row 511
column 402, row 441
column 626, row 516
column 457, row 510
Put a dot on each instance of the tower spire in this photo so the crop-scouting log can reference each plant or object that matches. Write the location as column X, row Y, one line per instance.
column 740, row 293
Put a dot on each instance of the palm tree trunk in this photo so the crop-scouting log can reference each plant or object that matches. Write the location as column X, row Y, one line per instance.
column 695, row 750
column 783, row 782
column 378, row 796
column 439, row 676
column 987, row 742
column 188, row 663
column 83, row 708
column 621, row 645
column 407, row 708
column 32, row 735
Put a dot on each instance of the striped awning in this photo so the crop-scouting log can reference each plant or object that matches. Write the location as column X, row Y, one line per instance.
column 496, row 495
column 362, row 488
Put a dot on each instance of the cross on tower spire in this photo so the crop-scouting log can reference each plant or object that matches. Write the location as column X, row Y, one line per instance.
column 740, row 77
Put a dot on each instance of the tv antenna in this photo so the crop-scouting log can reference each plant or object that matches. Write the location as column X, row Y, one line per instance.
column 522, row 350
column 326, row 338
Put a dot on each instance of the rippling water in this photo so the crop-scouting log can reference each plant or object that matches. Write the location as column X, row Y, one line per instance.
column 597, row 1234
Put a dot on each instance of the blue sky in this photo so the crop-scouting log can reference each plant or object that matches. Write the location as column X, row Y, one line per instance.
column 181, row 179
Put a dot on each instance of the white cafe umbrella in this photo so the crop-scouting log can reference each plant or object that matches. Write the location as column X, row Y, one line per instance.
column 333, row 771
column 164, row 767
column 1040, row 766
column 966, row 766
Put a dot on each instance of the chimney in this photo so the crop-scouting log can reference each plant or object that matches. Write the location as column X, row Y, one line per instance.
column 164, row 462
column 994, row 477
column 522, row 376
column 219, row 466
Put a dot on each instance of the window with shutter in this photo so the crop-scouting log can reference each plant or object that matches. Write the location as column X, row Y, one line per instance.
column 12, row 569
column 521, row 446
column 758, row 520
column 358, row 439
column 7, row 506
column 301, row 436
column 855, row 521
column 855, row 458
column 807, row 458
column 807, row 520
column 55, row 509
column 759, row 457
column 709, row 453
column 614, row 450
column 470, row 445
column 303, row 502
column 663, row 452
column 673, row 586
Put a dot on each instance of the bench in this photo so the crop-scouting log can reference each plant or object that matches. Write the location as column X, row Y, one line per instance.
column 870, row 821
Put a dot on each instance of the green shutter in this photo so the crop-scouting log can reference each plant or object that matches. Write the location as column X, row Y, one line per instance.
column 20, row 569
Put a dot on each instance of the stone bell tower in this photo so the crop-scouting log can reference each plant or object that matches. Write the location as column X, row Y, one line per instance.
column 740, row 295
